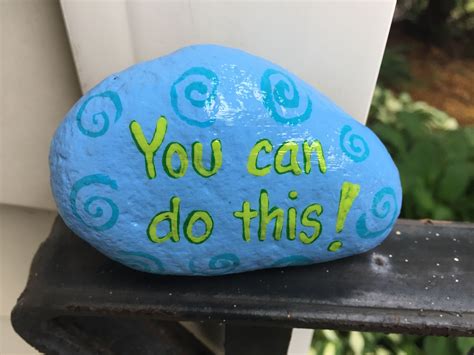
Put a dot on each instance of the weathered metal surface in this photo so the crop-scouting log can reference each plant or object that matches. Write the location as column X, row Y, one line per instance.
column 255, row 340
column 420, row 280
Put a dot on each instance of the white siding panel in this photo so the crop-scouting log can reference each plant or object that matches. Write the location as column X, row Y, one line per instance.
column 337, row 46
column 38, row 85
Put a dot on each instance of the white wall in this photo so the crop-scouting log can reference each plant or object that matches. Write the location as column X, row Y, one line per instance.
column 38, row 85
column 336, row 46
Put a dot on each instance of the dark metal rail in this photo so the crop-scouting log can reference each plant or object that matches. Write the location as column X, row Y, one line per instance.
column 419, row 281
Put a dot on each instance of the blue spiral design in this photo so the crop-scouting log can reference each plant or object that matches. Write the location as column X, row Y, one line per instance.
column 384, row 205
column 141, row 261
column 218, row 264
column 194, row 96
column 353, row 145
column 92, row 205
column 100, row 119
column 282, row 98
column 292, row 260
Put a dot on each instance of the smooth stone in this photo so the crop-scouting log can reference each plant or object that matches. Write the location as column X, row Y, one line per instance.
column 136, row 150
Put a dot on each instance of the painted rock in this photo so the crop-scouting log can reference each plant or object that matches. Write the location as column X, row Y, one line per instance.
column 211, row 161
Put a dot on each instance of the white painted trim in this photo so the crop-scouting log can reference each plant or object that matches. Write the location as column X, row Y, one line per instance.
column 336, row 46
column 300, row 342
column 100, row 38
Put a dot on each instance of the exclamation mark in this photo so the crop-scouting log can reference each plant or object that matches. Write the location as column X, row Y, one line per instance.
column 349, row 193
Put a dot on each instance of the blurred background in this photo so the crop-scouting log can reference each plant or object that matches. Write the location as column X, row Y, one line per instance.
column 423, row 111
column 422, row 108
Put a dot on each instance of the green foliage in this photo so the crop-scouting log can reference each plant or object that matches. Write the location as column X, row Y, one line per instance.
column 435, row 157
column 330, row 342
column 440, row 21
column 394, row 69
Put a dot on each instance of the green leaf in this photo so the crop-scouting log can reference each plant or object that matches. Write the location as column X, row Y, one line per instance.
column 390, row 137
column 395, row 338
column 329, row 349
column 410, row 349
column 412, row 124
column 422, row 164
column 424, row 198
column 330, row 335
column 465, row 345
column 440, row 346
column 382, row 351
column 435, row 156
column 456, row 145
column 441, row 212
column 454, row 182
column 356, row 342
column 394, row 69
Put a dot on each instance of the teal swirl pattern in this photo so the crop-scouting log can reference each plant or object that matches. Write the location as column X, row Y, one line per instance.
column 292, row 260
column 384, row 207
column 218, row 264
column 93, row 206
column 94, row 123
column 353, row 145
column 194, row 96
column 282, row 98
column 141, row 261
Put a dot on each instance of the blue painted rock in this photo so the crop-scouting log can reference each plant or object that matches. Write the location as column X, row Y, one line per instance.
column 212, row 161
